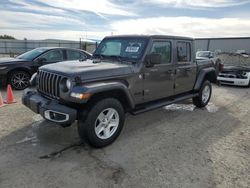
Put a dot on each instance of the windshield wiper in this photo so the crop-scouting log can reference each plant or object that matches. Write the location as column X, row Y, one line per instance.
column 98, row 55
column 122, row 60
column 114, row 57
column 117, row 57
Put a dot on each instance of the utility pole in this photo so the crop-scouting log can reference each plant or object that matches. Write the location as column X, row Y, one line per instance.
column 80, row 43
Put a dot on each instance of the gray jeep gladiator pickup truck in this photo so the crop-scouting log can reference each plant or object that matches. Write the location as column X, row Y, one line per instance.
column 131, row 73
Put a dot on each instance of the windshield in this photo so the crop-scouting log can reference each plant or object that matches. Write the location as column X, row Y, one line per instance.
column 203, row 54
column 123, row 48
column 30, row 55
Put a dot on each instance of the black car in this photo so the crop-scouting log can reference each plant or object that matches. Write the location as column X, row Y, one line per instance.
column 18, row 71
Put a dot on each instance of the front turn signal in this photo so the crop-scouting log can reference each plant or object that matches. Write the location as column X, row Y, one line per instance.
column 82, row 96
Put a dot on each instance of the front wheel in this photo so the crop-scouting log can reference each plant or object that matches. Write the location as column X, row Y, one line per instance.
column 103, row 123
column 204, row 95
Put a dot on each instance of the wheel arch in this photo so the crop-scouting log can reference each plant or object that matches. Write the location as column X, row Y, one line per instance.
column 19, row 69
column 205, row 74
column 116, row 90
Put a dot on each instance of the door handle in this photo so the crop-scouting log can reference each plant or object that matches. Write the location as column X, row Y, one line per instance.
column 188, row 69
column 153, row 70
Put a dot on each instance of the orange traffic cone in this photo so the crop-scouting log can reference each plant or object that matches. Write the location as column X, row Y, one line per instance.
column 10, row 96
column 1, row 101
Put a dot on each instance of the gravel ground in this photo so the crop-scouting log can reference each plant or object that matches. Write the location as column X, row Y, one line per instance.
column 177, row 146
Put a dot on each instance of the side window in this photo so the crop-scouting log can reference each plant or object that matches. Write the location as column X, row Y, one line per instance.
column 53, row 56
column 164, row 49
column 75, row 55
column 183, row 52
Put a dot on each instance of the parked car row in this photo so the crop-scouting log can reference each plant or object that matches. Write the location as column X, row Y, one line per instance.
column 229, row 75
column 18, row 71
column 126, row 74
column 235, row 75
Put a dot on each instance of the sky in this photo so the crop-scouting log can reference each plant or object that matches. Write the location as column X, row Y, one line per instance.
column 95, row 19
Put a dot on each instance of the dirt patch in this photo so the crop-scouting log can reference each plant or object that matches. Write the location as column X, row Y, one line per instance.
column 177, row 146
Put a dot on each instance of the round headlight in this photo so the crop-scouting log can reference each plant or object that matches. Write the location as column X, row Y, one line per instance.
column 68, row 84
column 33, row 79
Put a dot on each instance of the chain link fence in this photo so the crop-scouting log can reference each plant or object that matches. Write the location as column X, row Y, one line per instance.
column 11, row 48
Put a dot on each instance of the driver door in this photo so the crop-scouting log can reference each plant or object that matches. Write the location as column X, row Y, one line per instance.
column 159, row 79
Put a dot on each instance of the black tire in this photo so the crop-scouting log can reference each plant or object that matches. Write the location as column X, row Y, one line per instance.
column 197, row 101
column 87, row 123
column 22, row 82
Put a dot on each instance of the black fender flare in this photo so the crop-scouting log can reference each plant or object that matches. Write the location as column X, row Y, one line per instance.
column 95, row 88
column 205, row 74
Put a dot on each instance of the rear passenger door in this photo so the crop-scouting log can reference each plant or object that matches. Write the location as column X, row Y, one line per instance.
column 75, row 55
column 185, row 67
column 159, row 79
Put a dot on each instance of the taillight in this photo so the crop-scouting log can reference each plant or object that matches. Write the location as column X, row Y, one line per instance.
column 221, row 66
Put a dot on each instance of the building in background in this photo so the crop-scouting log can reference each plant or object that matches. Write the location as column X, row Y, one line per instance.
column 231, row 45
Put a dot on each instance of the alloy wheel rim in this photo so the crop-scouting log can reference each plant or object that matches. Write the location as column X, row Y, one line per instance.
column 107, row 123
column 205, row 94
column 20, row 80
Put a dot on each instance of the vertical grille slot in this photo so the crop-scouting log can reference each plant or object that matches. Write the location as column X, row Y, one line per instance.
column 53, row 84
column 48, row 84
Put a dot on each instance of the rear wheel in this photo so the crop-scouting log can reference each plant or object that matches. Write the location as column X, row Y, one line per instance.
column 103, row 123
column 204, row 95
column 19, row 80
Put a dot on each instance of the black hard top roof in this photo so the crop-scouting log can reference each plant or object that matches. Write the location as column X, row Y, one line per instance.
column 152, row 36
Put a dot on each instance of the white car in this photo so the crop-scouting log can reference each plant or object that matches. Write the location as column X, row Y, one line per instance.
column 201, row 55
column 235, row 75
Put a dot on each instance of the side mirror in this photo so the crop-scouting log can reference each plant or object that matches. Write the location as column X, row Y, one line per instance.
column 40, row 60
column 153, row 59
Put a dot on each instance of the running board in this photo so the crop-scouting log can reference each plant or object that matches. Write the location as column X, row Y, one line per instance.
column 160, row 104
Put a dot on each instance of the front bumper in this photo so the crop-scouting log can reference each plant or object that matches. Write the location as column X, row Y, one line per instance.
column 233, row 81
column 49, row 109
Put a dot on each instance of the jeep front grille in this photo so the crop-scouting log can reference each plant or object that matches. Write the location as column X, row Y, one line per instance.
column 48, row 84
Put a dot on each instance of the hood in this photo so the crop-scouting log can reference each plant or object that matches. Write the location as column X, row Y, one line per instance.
column 6, row 61
column 88, row 70
column 236, row 68
column 202, row 58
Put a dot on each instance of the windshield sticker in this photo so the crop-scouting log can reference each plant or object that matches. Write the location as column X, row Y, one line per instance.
column 132, row 49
